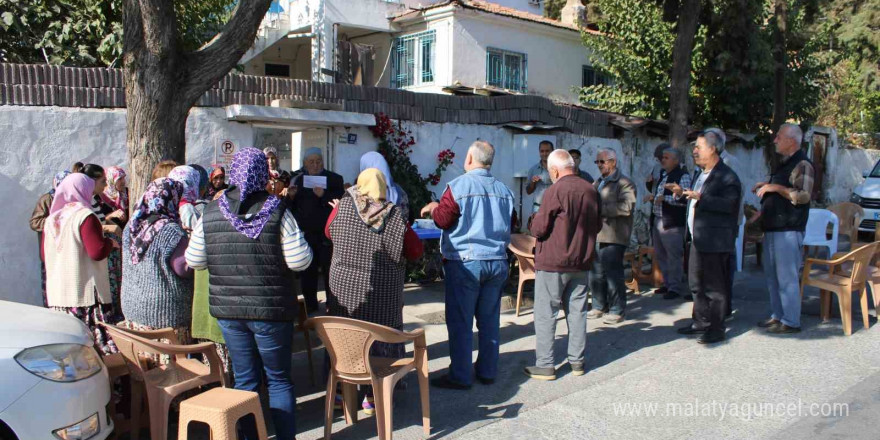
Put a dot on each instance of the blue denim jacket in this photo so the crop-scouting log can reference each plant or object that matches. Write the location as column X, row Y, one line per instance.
column 483, row 230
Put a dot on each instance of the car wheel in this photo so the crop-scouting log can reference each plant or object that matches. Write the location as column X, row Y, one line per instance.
column 6, row 432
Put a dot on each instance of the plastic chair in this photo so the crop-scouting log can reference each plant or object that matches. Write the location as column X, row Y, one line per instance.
column 817, row 230
column 850, row 215
column 523, row 248
column 301, row 327
column 220, row 409
column 841, row 284
column 348, row 343
column 740, row 241
column 165, row 382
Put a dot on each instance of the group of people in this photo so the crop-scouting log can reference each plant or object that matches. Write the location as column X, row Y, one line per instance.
column 226, row 261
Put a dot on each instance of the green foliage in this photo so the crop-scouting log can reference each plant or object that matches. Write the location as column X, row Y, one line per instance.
column 89, row 32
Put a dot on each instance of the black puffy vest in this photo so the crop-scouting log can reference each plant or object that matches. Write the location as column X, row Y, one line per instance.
column 777, row 212
column 249, row 278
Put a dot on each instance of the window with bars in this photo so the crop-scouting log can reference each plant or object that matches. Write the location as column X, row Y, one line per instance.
column 592, row 78
column 507, row 70
column 412, row 60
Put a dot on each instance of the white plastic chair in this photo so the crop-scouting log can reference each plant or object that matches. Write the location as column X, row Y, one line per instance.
column 817, row 230
column 739, row 244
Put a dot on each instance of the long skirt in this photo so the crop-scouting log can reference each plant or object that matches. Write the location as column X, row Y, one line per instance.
column 114, row 267
column 91, row 316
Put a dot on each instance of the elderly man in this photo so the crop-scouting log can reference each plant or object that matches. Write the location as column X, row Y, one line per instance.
column 539, row 178
column 311, row 208
column 475, row 215
column 785, row 207
column 668, row 216
column 566, row 228
column 618, row 199
column 713, row 205
column 576, row 155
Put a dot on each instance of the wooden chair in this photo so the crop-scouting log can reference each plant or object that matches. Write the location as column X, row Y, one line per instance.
column 523, row 248
column 638, row 260
column 842, row 284
column 348, row 343
column 164, row 382
column 850, row 215
column 633, row 282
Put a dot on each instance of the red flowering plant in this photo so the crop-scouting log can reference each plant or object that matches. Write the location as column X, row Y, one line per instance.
column 396, row 145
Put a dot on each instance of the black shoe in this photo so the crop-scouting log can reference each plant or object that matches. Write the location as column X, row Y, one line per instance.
column 687, row 298
column 540, row 373
column 670, row 295
column 661, row 291
column 577, row 368
column 768, row 323
column 445, row 382
column 690, row 330
column 485, row 380
column 782, row 329
column 711, row 337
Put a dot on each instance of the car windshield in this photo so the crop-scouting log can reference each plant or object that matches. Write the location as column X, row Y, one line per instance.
column 876, row 171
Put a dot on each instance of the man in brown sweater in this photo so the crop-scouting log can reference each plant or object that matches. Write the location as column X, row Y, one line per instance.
column 565, row 227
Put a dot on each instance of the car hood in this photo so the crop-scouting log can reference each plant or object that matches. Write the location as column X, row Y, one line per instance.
column 23, row 326
column 869, row 189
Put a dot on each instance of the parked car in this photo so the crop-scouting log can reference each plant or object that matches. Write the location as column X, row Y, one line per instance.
column 53, row 384
column 867, row 195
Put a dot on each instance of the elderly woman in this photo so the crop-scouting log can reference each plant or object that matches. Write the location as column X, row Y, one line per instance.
column 115, row 219
column 158, row 283
column 116, row 193
column 371, row 241
column 38, row 220
column 311, row 209
column 189, row 178
column 396, row 194
column 75, row 251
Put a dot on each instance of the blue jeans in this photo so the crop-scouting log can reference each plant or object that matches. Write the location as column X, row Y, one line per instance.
column 473, row 290
column 782, row 263
column 606, row 279
column 257, row 346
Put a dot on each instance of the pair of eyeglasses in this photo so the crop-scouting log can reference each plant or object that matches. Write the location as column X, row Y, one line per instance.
column 599, row 162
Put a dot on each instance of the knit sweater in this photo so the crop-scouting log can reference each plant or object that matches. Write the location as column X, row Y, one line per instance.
column 152, row 293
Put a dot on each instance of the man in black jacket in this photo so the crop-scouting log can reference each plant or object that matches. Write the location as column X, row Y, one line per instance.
column 713, row 207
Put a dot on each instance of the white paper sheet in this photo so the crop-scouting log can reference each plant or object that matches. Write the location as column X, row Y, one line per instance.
column 315, row 182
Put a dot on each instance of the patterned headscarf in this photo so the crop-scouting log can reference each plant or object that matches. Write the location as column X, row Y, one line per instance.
column 249, row 172
column 189, row 177
column 203, row 176
column 57, row 181
column 161, row 198
column 270, row 150
column 73, row 194
column 375, row 160
column 369, row 199
column 117, row 199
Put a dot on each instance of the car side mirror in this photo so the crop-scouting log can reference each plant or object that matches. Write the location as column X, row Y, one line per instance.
column 865, row 174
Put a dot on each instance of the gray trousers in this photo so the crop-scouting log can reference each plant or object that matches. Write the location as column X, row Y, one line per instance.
column 553, row 290
column 669, row 251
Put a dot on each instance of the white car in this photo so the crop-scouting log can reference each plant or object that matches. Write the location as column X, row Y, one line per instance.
column 53, row 384
column 867, row 195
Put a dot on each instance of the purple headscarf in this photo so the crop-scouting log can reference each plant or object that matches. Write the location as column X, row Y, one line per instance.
column 249, row 172
column 161, row 198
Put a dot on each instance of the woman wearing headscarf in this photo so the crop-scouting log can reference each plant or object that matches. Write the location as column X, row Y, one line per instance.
column 396, row 194
column 116, row 192
column 255, row 308
column 158, row 283
column 115, row 218
column 75, row 251
column 38, row 220
column 371, row 242
column 189, row 178
column 217, row 182
column 311, row 208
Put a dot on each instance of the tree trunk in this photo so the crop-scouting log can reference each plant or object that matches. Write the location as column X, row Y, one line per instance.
column 162, row 82
column 680, row 79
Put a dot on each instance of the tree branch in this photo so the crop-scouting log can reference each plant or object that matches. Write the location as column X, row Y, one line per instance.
column 214, row 60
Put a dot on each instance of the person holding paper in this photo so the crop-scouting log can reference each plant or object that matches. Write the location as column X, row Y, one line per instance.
column 316, row 187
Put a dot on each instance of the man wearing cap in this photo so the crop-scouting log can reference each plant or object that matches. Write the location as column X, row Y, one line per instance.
column 311, row 209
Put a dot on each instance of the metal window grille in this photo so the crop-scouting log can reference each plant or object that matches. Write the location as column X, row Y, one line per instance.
column 507, row 70
column 412, row 60
column 592, row 78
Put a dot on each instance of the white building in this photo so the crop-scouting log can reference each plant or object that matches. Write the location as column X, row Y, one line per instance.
column 454, row 46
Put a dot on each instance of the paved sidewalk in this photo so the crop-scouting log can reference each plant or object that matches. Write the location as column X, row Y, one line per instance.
column 643, row 365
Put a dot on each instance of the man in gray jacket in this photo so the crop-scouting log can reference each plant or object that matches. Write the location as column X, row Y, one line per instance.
column 617, row 194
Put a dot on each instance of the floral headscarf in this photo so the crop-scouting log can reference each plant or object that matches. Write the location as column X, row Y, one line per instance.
column 248, row 172
column 57, row 181
column 203, row 176
column 189, row 177
column 73, row 194
column 117, row 199
column 369, row 199
column 157, row 207
column 212, row 190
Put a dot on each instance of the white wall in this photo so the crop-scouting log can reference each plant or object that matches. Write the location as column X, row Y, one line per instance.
column 41, row 141
column 555, row 56
column 530, row 6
